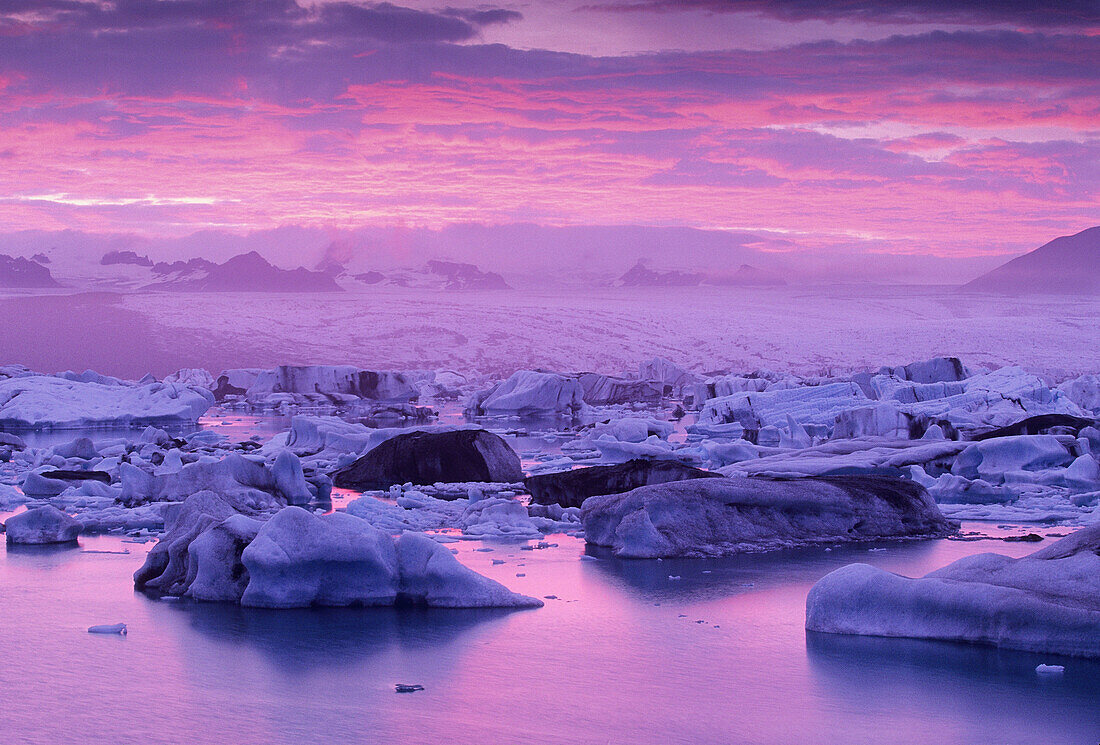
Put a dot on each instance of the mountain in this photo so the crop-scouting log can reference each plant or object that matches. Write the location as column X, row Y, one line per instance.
column 248, row 272
column 435, row 275
column 1069, row 265
column 16, row 271
column 460, row 276
column 746, row 275
column 640, row 275
column 124, row 257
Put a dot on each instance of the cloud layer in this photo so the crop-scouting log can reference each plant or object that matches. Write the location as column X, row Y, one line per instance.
column 169, row 117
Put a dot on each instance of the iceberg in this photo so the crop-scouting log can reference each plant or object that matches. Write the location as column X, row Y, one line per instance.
column 41, row 525
column 49, row 402
column 1046, row 602
column 461, row 455
column 530, row 393
column 722, row 516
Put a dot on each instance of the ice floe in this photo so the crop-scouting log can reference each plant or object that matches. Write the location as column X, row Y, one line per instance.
column 715, row 517
column 51, row 402
column 297, row 559
column 1046, row 602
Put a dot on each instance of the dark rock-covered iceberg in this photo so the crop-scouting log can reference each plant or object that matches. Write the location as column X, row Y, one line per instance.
column 716, row 517
column 429, row 457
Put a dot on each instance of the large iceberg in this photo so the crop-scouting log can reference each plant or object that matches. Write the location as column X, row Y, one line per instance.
column 428, row 457
column 297, row 559
column 716, row 517
column 41, row 525
column 334, row 383
column 604, row 390
column 47, row 401
column 529, row 393
column 810, row 405
column 1047, row 602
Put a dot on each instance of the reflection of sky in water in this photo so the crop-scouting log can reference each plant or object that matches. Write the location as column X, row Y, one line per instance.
column 622, row 653
column 619, row 656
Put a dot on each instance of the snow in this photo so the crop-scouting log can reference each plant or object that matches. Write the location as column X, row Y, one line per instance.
column 41, row 525
column 715, row 517
column 1047, row 602
column 45, row 402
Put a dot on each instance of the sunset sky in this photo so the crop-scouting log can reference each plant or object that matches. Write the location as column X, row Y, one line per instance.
column 928, row 127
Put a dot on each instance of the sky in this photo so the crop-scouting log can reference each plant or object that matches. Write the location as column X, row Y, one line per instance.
column 926, row 128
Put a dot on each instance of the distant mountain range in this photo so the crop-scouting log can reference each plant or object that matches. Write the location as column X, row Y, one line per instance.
column 1067, row 265
column 436, row 274
column 248, row 272
column 640, row 275
column 18, row 272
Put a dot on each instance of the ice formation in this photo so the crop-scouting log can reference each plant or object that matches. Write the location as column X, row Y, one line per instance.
column 54, row 402
column 429, row 457
column 716, row 517
column 572, row 488
column 41, row 525
column 529, row 392
column 297, row 559
column 1046, row 602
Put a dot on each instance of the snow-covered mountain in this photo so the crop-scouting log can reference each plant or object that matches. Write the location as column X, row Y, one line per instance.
column 746, row 275
column 436, row 275
column 1066, row 265
column 248, row 272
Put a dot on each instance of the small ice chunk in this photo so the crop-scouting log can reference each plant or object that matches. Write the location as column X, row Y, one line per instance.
column 118, row 628
column 1050, row 669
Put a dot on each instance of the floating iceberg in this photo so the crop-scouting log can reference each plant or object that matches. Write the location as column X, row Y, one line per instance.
column 529, row 393
column 572, row 488
column 462, row 455
column 1046, row 602
column 45, row 402
column 42, row 525
column 716, row 517
column 298, row 559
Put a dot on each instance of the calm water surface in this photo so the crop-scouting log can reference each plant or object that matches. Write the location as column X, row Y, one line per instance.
column 622, row 653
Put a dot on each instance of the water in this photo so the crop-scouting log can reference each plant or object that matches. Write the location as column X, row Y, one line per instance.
column 619, row 657
column 622, row 654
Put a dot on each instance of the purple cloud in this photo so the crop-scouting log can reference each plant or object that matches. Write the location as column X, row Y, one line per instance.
column 1064, row 14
